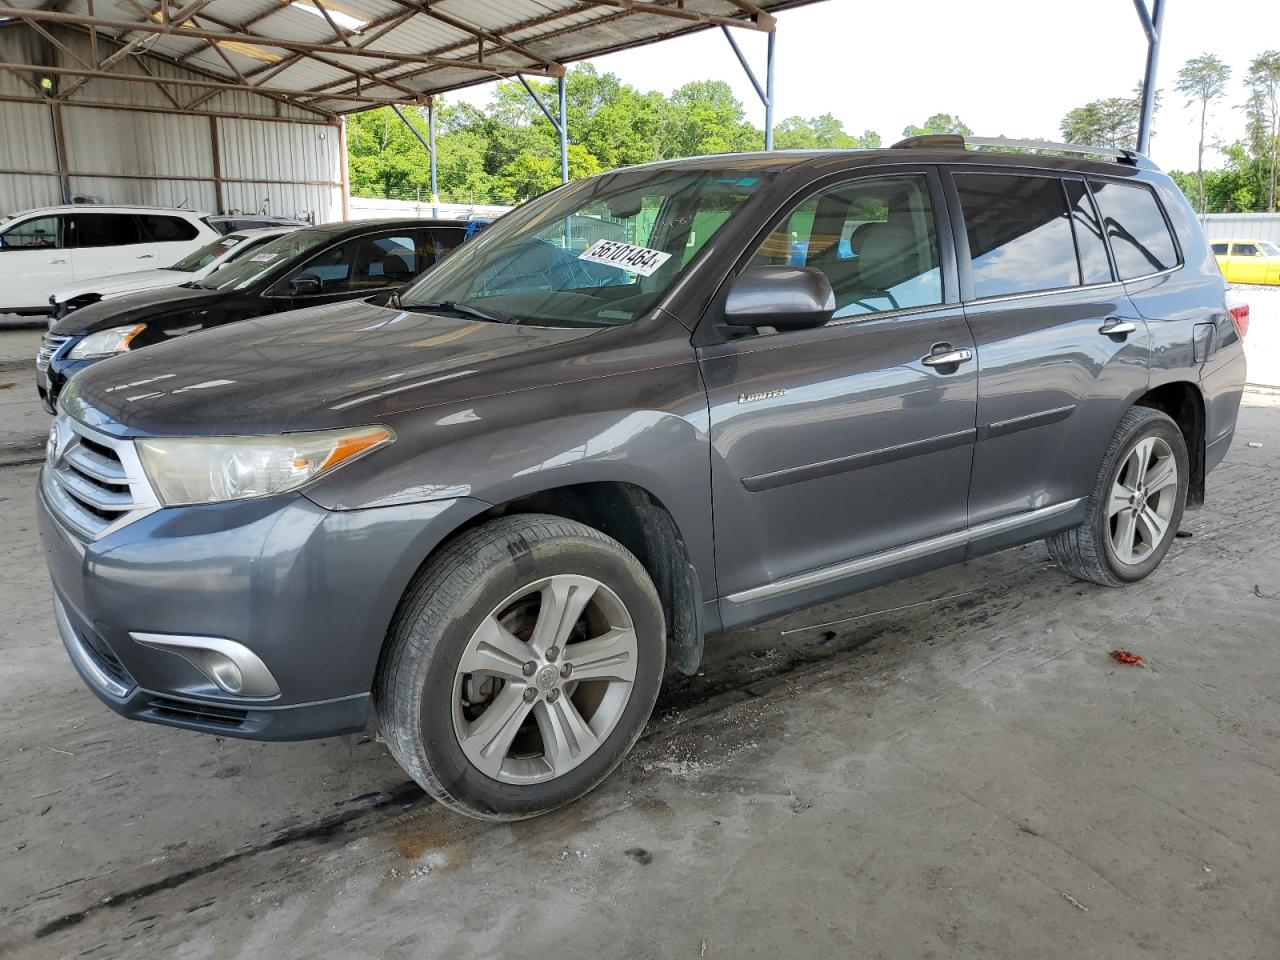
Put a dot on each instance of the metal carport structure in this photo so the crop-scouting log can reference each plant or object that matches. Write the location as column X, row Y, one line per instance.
column 311, row 61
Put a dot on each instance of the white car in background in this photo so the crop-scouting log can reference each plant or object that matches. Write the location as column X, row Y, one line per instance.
column 46, row 248
column 190, row 269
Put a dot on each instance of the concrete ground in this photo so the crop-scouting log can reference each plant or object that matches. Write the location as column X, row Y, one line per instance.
column 951, row 766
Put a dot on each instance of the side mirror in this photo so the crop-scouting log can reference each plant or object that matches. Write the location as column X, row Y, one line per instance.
column 782, row 297
column 304, row 284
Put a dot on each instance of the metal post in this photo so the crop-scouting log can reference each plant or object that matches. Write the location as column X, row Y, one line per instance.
column 765, row 93
column 1153, row 24
column 564, row 134
column 768, row 93
column 431, row 139
column 429, row 146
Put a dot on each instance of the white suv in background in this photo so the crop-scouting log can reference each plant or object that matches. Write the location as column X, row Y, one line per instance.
column 191, row 268
column 46, row 248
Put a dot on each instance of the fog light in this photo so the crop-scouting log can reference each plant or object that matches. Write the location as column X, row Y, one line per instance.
column 232, row 666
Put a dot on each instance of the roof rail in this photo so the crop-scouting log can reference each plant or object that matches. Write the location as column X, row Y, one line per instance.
column 951, row 141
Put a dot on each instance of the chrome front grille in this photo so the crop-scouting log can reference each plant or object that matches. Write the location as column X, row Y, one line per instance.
column 48, row 347
column 94, row 482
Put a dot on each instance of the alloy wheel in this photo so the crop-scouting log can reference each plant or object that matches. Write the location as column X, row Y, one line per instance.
column 544, row 679
column 1143, row 499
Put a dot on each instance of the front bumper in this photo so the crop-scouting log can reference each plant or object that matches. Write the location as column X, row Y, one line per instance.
column 309, row 591
column 50, row 381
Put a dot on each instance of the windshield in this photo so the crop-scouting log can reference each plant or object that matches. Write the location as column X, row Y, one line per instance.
column 599, row 254
column 272, row 254
column 206, row 255
column 1270, row 249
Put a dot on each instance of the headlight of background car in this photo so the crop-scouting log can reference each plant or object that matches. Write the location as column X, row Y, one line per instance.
column 104, row 343
column 212, row 469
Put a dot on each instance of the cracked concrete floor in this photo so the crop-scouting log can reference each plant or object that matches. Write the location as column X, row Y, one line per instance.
column 971, row 777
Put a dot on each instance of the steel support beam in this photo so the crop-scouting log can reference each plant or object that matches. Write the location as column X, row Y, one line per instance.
column 560, row 125
column 431, row 138
column 765, row 93
column 1153, row 26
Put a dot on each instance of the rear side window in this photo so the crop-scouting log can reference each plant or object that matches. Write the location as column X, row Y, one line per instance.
column 1245, row 250
column 105, row 230
column 1140, row 239
column 1019, row 231
column 441, row 242
column 168, row 229
column 1090, row 243
column 383, row 261
column 1219, row 249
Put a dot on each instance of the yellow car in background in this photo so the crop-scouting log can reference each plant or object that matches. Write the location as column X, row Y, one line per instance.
column 1248, row 261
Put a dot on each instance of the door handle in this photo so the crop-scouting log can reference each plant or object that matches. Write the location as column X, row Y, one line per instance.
column 1117, row 329
column 59, row 260
column 945, row 357
column 146, row 256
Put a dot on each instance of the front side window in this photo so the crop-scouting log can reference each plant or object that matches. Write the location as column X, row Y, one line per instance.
column 164, row 229
column 1245, row 250
column 600, row 252
column 105, row 230
column 874, row 239
column 333, row 268
column 1019, row 230
column 1140, row 239
column 38, row 233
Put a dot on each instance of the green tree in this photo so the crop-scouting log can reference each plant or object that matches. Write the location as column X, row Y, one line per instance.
column 1109, row 122
column 1263, row 112
column 705, row 117
column 1202, row 80
column 819, row 133
column 939, row 123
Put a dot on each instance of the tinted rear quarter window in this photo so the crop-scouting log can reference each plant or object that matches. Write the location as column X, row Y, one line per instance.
column 1219, row 249
column 1140, row 239
column 1019, row 232
column 168, row 229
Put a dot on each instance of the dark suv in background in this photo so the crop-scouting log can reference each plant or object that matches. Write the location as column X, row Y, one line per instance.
column 481, row 514
column 303, row 268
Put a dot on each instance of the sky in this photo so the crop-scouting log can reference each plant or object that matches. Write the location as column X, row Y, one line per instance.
column 1005, row 67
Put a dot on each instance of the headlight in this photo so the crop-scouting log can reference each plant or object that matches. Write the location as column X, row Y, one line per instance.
column 212, row 469
column 105, row 343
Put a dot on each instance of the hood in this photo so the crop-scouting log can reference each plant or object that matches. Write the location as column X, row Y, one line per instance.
column 337, row 365
column 134, row 308
column 116, row 286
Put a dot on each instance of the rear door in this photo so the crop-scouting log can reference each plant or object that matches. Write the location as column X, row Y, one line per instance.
column 105, row 244
column 834, row 444
column 1060, row 347
column 34, row 260
column 174, row 237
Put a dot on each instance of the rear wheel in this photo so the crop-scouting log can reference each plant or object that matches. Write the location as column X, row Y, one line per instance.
column 521, row 667
column 1135, row 506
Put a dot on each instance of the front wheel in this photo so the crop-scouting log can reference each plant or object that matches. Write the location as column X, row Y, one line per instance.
column 521, row 666
column 1135, row 506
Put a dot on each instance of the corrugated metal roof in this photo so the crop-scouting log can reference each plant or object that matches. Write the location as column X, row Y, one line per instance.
column 343, row 55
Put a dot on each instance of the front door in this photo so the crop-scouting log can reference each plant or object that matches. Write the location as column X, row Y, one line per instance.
column 1061, row 349
column 844, row 441
column 34, row 260
column 1247, row 264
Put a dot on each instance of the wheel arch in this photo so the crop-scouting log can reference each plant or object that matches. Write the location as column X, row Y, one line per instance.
column 1183, row 402
column 641, row 522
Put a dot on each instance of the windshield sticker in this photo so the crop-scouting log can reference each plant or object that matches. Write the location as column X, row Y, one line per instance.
column 639, row 260
column 262, row 257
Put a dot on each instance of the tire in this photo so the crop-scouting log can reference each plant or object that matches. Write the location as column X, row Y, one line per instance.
column 511, row 571
column 1096, row 550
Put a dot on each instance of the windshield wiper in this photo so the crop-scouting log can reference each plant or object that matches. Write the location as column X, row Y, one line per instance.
column 452, row 306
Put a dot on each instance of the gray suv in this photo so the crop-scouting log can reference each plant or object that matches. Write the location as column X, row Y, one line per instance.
column 488, row 513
